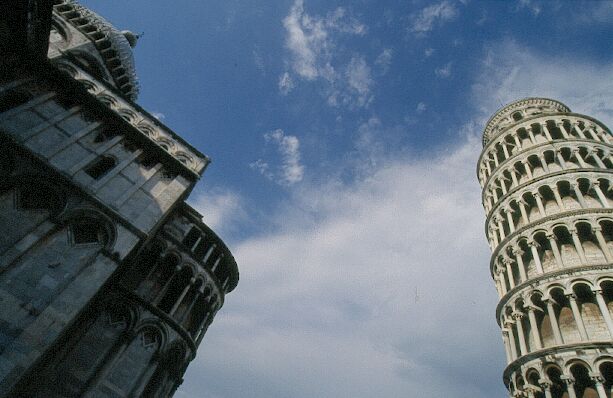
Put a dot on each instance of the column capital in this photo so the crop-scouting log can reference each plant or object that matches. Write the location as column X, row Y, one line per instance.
column 545, row 384
column 551, row 236
column 517, row 315
column 597, row 228
column 569, row 380
column 596, row 377
column 533, row 243
column 571, row 296
column 517, row 251
column 532, row 307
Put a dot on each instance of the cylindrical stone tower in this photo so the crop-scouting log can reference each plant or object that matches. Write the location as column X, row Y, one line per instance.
column 548, row 197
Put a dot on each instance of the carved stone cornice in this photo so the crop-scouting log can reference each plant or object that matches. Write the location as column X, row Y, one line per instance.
column 537, row 282
column 553, row 105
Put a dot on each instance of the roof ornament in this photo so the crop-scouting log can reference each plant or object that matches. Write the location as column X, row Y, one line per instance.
column 131, row 37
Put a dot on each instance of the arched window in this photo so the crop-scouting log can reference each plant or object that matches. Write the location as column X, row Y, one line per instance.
column 177, row 288
column 128, row 369
column 100, row 167
column 517, row 116
column 105, row 135
column 87, row 231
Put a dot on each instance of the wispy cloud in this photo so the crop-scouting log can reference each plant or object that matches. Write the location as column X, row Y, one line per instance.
column 384, row 59
column 359, row 80
column 514, row 71
column 312, row 44
column 531, row 5
column 158, row 115
column 290, row 171
column 429, row 51
column 221, row 208
column 443, row 72
column 286, row 84
column 421, row 107
column 353, row 294
column 258, row 60
column 426, row 19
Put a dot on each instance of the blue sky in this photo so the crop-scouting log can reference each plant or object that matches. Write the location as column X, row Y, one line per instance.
column 344, row 139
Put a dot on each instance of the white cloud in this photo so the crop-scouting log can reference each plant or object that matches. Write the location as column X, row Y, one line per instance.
column 258, row 60
column 290, row 170
column 286, row 84
column 221, row 209
column 380, row 287
column 312, row 43
column 158, row 115
column 444, row 71
column 425, row 20
column 328, row 302
column 384, row 59
column 516, row 72
column 594, row 12
column 421, row 107
column 428, row 52
column 531, row 5
column 359, row 80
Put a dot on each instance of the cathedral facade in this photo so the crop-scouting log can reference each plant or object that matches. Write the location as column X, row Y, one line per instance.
column 108, row 279
column 548, row 196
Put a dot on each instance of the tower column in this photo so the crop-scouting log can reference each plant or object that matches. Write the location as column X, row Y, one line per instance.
column 554, row 322
column 598, row 382
column 554, row 248
column 577, row 315
column 602, row 243
column 604, row 310
column 509, row 325
column 520, row 332
column 520, row 263
column 535, row 256
column 534, row 328
column 570, row 385
column 577, row 242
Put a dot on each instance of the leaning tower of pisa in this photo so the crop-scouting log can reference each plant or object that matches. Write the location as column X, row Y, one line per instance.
column 548, row 196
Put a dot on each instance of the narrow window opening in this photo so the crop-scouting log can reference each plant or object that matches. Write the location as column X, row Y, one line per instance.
column 100, row 167
column 517, row 116
column 190, row 239
column 104, row 135
column 130, row 146
column 147, row 161
column 86, row 232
